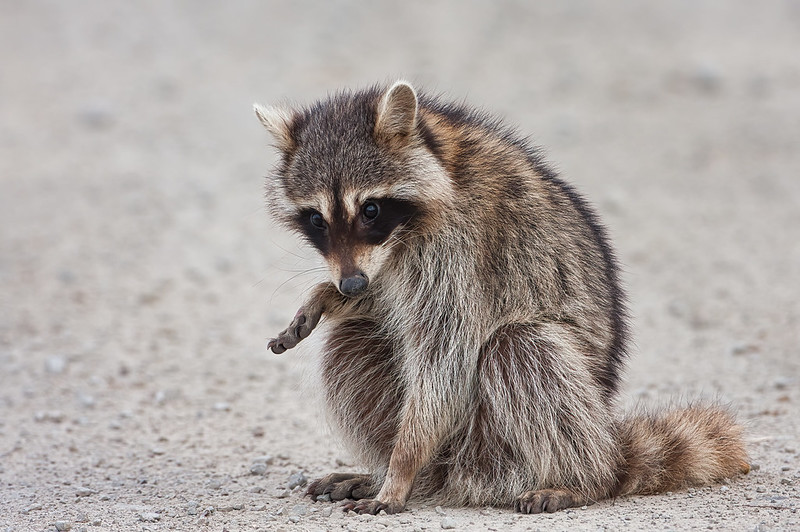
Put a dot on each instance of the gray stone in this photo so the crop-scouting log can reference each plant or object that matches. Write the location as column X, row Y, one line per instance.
column 298, row 509
column 83, row 491
column 258, row 468
column 297, row 479
column 56, row 364
column 149, row 517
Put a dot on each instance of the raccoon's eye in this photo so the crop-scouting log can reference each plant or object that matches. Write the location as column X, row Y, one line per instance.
column 317, row 220
column 371, row 210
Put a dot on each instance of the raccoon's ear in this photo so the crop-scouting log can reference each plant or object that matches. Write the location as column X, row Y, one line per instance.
column 278, row 122
column 397, row 112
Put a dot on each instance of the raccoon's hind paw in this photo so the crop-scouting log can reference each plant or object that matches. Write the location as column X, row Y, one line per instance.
column 301, row 326
column 342, row 486
column 552, row 500
column 373, row 507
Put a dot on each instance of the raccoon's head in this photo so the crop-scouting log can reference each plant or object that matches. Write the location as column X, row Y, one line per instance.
column 357, row 178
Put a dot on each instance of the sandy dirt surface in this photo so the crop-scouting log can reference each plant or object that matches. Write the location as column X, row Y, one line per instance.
column 140, row 275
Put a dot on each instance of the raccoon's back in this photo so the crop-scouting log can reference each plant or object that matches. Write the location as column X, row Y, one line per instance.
column 541, row 252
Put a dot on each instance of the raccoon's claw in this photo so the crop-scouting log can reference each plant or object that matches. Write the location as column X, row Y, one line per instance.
column 340, row 486
column 301, row 326
column 373, row 507
column 536, row 502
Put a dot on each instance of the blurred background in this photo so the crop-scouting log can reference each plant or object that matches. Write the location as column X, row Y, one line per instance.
column 140, row 275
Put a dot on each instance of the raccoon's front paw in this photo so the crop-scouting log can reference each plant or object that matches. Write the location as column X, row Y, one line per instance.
column 552, row 500
column 301, row 326
column 342, row 486
column 373, row 507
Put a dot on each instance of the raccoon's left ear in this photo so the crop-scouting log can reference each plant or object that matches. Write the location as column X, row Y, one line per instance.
column 278, row 121
column 397, row 112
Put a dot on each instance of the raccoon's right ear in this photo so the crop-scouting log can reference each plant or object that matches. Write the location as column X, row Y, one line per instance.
column 278, row 121
column 397, row 112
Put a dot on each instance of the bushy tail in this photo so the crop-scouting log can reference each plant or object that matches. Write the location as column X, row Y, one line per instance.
column 692, row 446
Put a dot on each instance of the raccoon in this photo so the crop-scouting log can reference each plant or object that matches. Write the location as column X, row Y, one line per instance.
column 476, row 327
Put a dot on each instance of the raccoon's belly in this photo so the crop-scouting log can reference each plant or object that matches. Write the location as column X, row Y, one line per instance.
column 362, row 388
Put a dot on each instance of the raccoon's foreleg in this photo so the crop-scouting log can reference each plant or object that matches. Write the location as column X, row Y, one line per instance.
column 324, row 298
column 340, row 486
column 436, row 393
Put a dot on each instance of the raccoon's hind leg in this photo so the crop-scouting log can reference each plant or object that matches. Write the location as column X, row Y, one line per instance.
column 541, row 438
column 342, row 486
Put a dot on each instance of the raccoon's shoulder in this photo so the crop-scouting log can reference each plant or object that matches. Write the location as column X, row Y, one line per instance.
column 481, row 150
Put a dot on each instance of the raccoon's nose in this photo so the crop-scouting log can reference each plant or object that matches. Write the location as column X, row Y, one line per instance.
column 353, row 286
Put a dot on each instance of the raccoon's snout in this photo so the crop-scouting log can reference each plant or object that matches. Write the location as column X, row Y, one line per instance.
column 355, row 285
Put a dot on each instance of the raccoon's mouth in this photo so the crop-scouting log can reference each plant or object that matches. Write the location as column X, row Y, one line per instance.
column 354, row 285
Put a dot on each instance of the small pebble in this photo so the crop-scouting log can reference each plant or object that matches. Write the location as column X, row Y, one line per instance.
column 706, row 78
column 82, row 518
column 32, row 508
column 785, row 468
column 325, row 497
column 56, row 364
column 448, row 523
column 282, row 494
column 266, row 459
column 724, row 488
column 53, row 416
column 63, row 525
column 298, row 509
column 760, row 489
column 326, row 512
column 439, row 510
column 96, row 115
column 86, row 400
column 222, row 406
column 294, row 518
column 782, row 383
column 83, row 491
column 149, row 517
column 297, row 479
column 786, row 481
column 258, row 468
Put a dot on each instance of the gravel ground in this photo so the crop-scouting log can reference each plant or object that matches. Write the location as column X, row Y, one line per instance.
column 140, row 276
